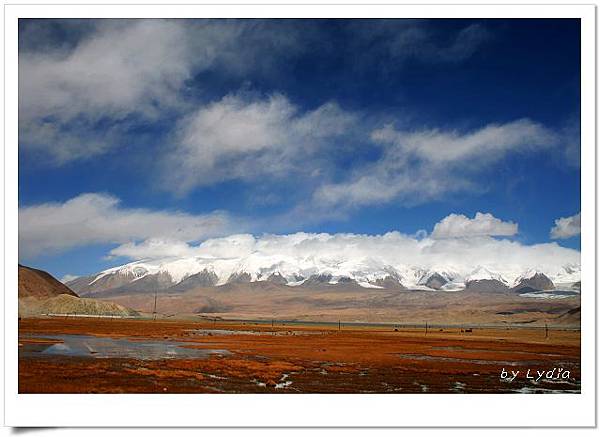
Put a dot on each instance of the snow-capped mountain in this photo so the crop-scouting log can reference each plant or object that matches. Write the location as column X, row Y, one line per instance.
column 568, row 274
column 532, row 280
column 482, row 279
column 180, row 274
column 439, row 279
column 481, row 273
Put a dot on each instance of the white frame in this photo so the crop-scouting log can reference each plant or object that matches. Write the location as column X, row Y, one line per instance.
column 303, row 409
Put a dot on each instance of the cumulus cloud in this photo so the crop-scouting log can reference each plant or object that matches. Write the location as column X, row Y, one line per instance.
column 240, row 137
column 117, row 72
column 340, row 251
column 99, row 218
column 153, row 248
column 112, row 73
column 458, row 225
column 566, row 227
column 425, row 164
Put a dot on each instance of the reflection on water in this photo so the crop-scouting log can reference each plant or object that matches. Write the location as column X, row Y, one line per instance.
column 104, row 347
column 210, row 332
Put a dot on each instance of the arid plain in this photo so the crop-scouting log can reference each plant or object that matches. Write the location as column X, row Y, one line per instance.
column 245, row 357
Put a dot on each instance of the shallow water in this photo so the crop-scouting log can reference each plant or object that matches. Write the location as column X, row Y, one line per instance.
column 421, row 357
column 248, row 332
column 476, row 350
column 105, row 347
column 550, row 294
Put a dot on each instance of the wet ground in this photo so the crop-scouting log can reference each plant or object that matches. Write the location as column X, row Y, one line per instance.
column 143, row 356
column 74, row 345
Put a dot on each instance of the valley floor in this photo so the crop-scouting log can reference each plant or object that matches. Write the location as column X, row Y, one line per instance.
column 83, row 355
column 265, row 301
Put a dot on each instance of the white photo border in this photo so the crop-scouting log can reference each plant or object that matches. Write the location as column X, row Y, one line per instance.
column 386, row 410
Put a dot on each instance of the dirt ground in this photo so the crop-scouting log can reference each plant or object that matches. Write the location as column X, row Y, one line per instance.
column 258, row 300
column 304, row 359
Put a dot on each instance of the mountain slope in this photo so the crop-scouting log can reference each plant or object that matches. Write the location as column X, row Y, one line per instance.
column 483, row 280
column 67, row 304
column 532, row 281
column 40, row 285
column 40, row 293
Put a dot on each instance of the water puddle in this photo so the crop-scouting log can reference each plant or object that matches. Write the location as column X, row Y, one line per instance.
column 104, row 347
column 424, row 388
column 284, row 382
column 420, row 357
column 550, row 294
column 477, row 350
column 538, row 390
column 210, row 332
column 459, row 387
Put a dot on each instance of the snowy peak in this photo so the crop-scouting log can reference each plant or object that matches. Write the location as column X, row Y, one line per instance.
column 483, row 274
column 532, row 280
column 437, row 279
column 483, row 280
column 568, row 274
column 529, row 274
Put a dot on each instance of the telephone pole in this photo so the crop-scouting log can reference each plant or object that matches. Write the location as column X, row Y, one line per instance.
column 154, row 311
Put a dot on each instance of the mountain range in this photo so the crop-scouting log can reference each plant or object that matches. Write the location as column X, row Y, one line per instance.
column 183, row 274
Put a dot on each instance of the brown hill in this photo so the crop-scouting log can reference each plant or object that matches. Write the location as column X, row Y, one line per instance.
column 40, row 285
column 41, row 294
column 66, row 304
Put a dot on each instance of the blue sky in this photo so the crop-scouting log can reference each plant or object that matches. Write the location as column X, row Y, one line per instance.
column 179, row 131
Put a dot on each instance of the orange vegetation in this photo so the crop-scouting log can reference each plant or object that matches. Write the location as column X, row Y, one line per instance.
column 309, row 359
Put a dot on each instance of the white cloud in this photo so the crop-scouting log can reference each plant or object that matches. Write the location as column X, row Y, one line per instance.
column 118, row 69
column 121, row 67
column 450, row 147
column 356, row 251
column 98, row 218
column 419, row 43
column 458, row 225
column 153, row 248
column 239, row 137
column 417, row 166
column 566, row 227
column 68, row 278
column 118, row 72
column 468, row 40
column 401, row 41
